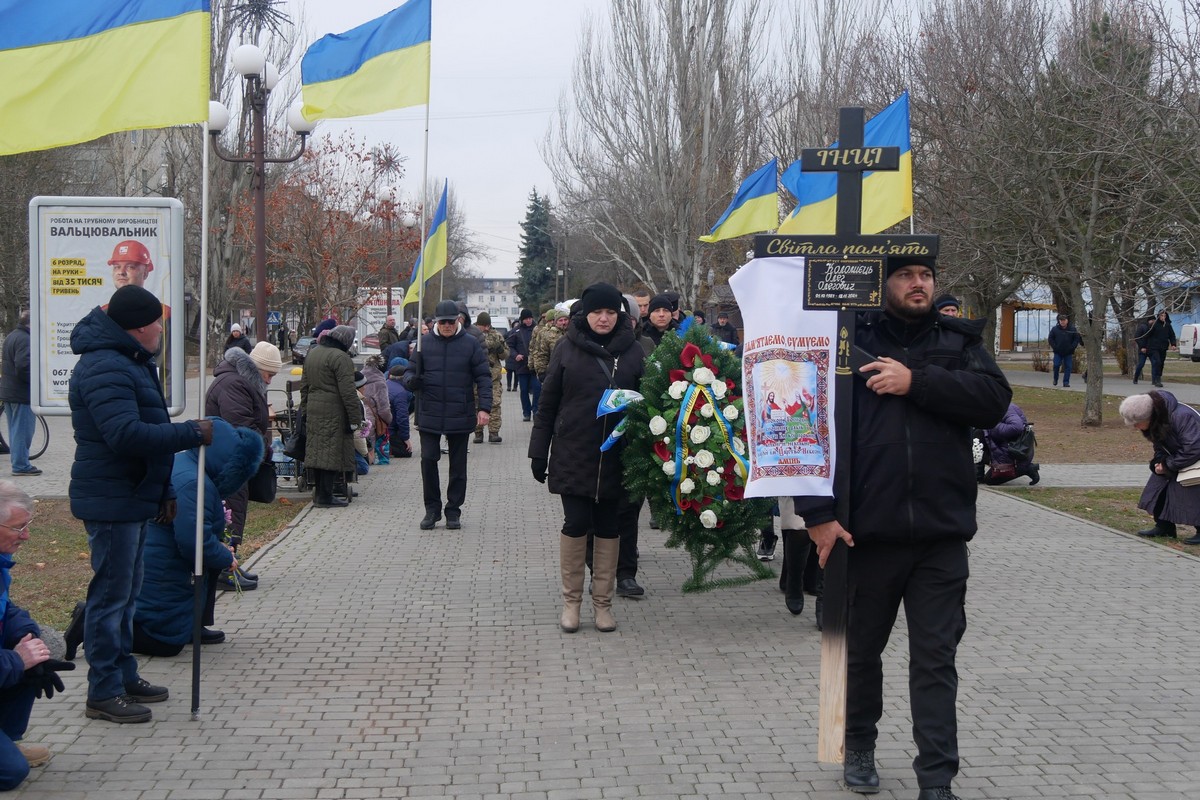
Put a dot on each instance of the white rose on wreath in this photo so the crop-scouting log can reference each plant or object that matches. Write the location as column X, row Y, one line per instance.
column 669, row 467
column 708, row 518
column 717, row 387
column 703, row 376
column 739, row 447
column 658, row 426
column 730, row 412
column 687, row 486
column 706, row 411
column 677, row 390
column 700, row 434
column 712, row 478
column 704, row 459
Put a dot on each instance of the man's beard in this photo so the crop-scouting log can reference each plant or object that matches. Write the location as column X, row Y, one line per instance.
column 907, row 312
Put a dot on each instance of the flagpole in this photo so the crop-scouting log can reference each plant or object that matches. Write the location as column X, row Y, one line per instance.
column 424, row 226
column 198, row 585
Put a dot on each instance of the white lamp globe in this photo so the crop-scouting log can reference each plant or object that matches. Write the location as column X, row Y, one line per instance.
column 248, row 60
column 218, row 116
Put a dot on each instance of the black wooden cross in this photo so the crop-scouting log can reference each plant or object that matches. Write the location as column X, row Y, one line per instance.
column 843, row 272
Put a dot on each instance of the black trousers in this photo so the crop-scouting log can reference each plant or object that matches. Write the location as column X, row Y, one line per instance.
column 931, row 579
column 582, row 514
column 456, row 488
column 628, row 512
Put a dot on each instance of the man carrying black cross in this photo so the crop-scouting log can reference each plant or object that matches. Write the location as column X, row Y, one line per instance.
column 911, row 514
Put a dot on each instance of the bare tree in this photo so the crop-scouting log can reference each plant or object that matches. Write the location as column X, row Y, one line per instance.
column 659, row 128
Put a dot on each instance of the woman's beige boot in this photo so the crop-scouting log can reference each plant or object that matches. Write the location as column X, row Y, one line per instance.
column 604, row 577
column 571, row 552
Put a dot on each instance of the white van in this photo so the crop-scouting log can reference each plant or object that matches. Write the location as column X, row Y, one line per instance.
column 1189, row 342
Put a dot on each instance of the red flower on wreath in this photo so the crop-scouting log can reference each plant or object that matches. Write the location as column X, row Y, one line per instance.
column 688, row 356
column 662, row 451
column 677, row 375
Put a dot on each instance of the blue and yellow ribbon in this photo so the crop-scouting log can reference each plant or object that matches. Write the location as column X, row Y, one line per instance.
column 694, row 394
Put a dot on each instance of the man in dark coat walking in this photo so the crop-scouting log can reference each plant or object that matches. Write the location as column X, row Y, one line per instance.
column 528, row 385
column 1159, row 339
column 1139, row 341
column 1063, row 340
column 442, row 373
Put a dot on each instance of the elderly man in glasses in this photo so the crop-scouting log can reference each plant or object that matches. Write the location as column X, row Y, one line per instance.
column 26, row 670
column 442, row 373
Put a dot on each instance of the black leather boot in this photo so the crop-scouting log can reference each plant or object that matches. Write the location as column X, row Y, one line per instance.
column 432, row 515
column 73, row 635
column 859, row 772
column 323, row 491
column 1161, row 528
column 796, row 545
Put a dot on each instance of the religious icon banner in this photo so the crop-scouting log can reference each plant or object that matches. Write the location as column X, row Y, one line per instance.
column 788, row 362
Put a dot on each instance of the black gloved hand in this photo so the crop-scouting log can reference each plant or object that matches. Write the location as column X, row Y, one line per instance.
column 538, row 466
column 44, row 677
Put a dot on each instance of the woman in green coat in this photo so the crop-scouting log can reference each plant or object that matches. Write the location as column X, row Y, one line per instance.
column 332, row 413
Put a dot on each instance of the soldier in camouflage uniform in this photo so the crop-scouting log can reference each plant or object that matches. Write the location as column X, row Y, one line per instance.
column 543, row 345
column 497, row 350
column 539, row 330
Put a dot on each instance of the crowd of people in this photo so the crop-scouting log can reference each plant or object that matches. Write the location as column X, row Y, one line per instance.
column 136, row 473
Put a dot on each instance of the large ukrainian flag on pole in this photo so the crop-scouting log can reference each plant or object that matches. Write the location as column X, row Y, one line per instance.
column 380, row 65
column 433, row 259
column 754, row 208
column 887, row 195
column 74, row 70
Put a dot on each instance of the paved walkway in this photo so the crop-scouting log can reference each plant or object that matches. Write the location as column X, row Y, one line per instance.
column 380, row 661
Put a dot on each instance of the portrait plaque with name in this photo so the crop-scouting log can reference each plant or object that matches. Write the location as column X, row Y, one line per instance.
column 843, row 283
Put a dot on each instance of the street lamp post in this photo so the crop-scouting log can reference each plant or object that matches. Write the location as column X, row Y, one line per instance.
column 260, row 76
column 387, row 195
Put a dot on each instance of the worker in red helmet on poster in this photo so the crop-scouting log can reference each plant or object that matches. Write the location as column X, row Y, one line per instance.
column 131, row 265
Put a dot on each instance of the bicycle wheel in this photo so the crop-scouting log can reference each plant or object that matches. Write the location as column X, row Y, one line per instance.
column 41, row 437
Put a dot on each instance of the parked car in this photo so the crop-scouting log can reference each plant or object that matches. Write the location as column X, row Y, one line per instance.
column 1189, row 338
column 300, row 349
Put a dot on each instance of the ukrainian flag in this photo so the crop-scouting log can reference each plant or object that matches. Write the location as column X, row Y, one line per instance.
column 75, row 70
column 755, row 206
column 380, row 65
column 887, row 195
column 430, row 262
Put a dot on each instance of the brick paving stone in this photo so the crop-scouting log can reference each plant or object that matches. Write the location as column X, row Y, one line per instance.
column 380, row 661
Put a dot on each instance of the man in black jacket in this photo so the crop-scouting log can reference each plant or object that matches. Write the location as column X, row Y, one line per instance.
column 528, row 385
column 1063, row 340
column 724, row 330
column 1159, row 339
column 442, row 374
column 1139, row 341
column 911, row 515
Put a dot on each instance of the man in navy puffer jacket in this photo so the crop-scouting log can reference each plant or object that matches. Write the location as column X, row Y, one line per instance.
column 441, row 374
column 125, row 445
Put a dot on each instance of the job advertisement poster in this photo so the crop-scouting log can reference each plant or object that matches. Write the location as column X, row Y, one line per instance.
column 82, row 249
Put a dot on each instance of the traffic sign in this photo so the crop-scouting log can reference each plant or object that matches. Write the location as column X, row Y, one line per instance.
column 274, row 318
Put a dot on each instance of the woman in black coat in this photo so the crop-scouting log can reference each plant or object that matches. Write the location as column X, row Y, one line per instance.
column 1174, row 430
column 599, row 352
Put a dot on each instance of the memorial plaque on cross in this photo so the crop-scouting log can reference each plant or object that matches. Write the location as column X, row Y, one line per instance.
column 843, row 272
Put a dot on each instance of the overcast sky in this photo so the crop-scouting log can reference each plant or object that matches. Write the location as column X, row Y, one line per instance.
column 499, row 67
